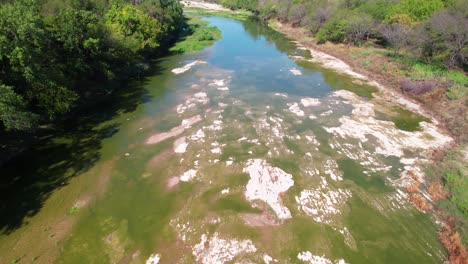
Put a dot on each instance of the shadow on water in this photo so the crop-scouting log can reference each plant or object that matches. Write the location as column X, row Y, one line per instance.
column 64, row 152
column 257, row 29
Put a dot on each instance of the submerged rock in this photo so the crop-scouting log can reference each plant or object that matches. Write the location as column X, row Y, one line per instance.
column 186, row 123
column 306, row 102
column 200, row 98
column 308, row 257
column 295, row 109
column 180, row 145
column 186, row 67
column 267, row 183
column 295, row 71
column 153, row 259
column 323, row 202
column 188, row 175
column 218, row 251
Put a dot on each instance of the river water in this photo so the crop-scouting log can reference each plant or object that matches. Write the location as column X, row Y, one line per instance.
column 247, row 153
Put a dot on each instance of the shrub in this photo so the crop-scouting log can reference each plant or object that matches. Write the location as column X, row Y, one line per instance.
column 268, row 11
column 418, row 87
column 358, row 27
column 205, row 35
column 417, row 9
column 334, row 31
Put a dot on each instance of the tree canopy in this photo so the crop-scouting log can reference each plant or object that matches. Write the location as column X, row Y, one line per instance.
column 52, row 51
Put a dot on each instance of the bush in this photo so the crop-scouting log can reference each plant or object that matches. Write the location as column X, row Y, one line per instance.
column 418, row 87
column 334, row 31
column 238, row 4
column 268, row 11
column 358, row 27
column 417, row 10
column 205, row 35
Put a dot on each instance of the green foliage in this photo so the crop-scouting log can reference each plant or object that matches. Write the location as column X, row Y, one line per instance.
column 334, row 31
column 238, row 14
column 134, row 27
column 452, row 171
column 199, row 36
column 205, row 34
column 459, row 87
column 379, row 9
column 416, row 9
column 457, row 184
column 238, row 4
column 73, row 210
column 52, row 52
column 13, row 113
column 268, row 11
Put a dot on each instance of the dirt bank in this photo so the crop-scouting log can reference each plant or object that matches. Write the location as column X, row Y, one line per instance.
column 208, row 6
column 340, row 59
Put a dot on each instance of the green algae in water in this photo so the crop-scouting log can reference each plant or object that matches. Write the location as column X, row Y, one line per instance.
column 293, row 146
column 354, row 171
column 381, row 239
column 287, row 164
column 234, row 203
column 237, row 179
column 404, row 119
column 137, row 211
column 340, row 81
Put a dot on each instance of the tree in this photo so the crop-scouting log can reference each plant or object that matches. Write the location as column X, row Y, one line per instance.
column 453, row 29
column 297, row 13
column 27, row 62
column 139, row 30
column 334, row 30
column 395, row 35
column 358, row 27
column 417, row 10
column 13, row 113
column 445, row 36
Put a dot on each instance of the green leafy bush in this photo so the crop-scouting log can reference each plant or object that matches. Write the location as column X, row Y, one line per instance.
column 416, row 9
column 334, row 31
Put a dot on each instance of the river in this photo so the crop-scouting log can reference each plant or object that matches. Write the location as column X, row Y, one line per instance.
column 243, row 152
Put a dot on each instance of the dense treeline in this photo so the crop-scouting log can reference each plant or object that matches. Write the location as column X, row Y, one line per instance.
column 435, row 30
column 54, row 53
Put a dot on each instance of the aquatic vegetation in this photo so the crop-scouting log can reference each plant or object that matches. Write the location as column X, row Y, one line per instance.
column 254, row 174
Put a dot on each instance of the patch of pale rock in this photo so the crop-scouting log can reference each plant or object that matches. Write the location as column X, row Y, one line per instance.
column 186, row 123
column 153, row 259
column 198, row 98
column 188, row 175
column 199, row 136
column 331, row 169
column 295, row 71
column 267, row 183
column 217, row 250
column 308, row 257
column 295, row 109
column 267, row 259
column 306, row 102
column 180, row 145
column 186, row 67
column 322, row 203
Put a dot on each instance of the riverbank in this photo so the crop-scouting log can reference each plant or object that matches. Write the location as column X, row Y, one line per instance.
column 69, row 167
column 378, row 67
column 358, row 63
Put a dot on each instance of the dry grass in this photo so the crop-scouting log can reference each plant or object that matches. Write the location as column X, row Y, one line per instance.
column 378, row 64
column 413, row 175
column 454, row 245
column 419, row 202
column 413, row 188
column 436, row 191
